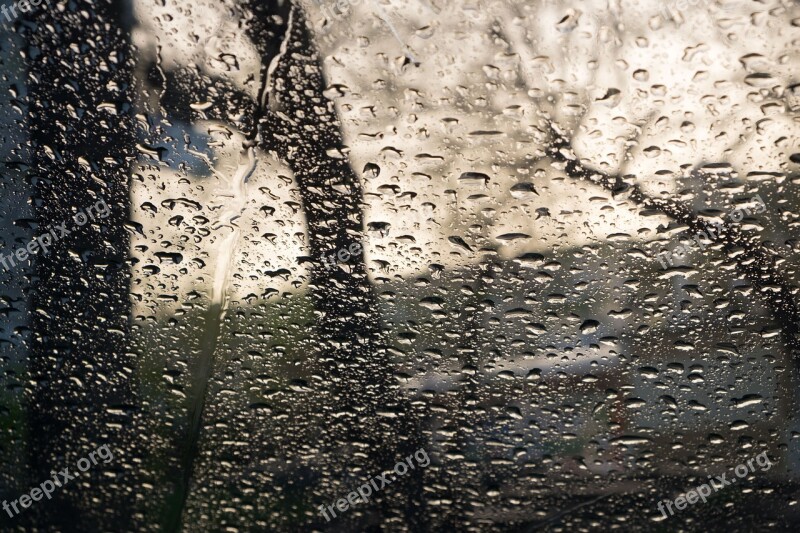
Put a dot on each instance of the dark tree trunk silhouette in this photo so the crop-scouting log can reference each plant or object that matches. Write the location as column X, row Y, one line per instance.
column 300, row 125
column 374, row 426
column 302, row 128
column 83, row 392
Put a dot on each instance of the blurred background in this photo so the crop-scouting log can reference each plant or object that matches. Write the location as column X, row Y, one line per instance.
column 508, row 314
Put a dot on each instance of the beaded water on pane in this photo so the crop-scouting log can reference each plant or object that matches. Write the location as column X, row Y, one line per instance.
column 482, row 265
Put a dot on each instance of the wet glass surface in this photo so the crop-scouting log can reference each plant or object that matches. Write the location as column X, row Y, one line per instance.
column 399, row 266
